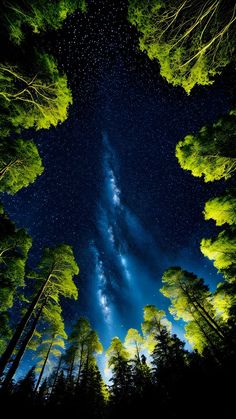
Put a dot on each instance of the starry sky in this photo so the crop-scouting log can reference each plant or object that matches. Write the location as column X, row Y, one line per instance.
column 112, row 186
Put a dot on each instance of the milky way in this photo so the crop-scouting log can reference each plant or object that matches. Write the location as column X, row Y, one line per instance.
column 122, row 276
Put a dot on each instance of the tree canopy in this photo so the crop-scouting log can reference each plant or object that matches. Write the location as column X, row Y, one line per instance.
column 222, row 250
column 14, row 248
column 37, row 15
column 211, row 152
column 20, row 164
column 192, row 40
column 221, row 209
column 191, row 301
column 33, row 98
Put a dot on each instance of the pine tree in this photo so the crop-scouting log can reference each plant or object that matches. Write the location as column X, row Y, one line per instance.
column 54, row 278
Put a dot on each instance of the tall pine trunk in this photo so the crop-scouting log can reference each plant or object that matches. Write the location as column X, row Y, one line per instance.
column 21, row 327
column 11, row 372
column 44, row 365
column 56, row 375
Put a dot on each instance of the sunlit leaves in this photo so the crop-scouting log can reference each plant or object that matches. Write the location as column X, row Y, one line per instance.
column 116, row 351
column 154, row 322
column 36, row 99
column 134, row 343
column 221, row 209
column 38, row 15
column 14, row 247
column 192, row 40
column 210, row 153
column 222, row 250
column 20, row 164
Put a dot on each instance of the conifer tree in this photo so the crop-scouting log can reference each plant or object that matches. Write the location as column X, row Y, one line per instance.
column 53, row 279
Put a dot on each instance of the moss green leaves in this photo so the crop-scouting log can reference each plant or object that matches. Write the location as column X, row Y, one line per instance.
column 192, row 40
column 39, row 99
column 211, row 152
column 37, row 15
column 20, row 164
column 221, row 209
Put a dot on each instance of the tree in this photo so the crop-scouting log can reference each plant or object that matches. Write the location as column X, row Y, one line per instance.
column 91, row 393
column 33, row 98
column 192, row 40
column 118, row 360
column 154, row 322
column 25, row 388
column 52, row 343
column 134, row 343
column 191, row 301
column 224, row 301
column 222, row 209
column 38, row 15
column 211, row 152
column 14, row 248
column 222, row 250
column 54, row 278
column 168, row 357
column 83, row 345
column 20, row 164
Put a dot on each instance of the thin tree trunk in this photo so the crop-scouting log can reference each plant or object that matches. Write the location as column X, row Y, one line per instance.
column 44, row 365
column 80, row 364
column 21, row 326
column 211, row 319
column 208, row 339
column 21, row 351
column 71, row 367
column 56, row 376
column 202, row 313
column 137, row 350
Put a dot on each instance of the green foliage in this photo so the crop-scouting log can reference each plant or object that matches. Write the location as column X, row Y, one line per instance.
column 84, row 344
column 192, row 40
column 118, row 361
column 53, row 340
column 115, row 352
column 168, row 353
column 134, row 343
column 222, row 250
column 38, row 98
column 20, row 164
column 14, row 247
column 195, row 336
column 154, row 322
column 211, row 152
column 38, row 15
column 5, row 331
column 222, row 209
column 191, row 301
column 224, row 301
column 57, row 269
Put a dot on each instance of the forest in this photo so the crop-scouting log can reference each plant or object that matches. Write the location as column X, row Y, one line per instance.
column 150, row 370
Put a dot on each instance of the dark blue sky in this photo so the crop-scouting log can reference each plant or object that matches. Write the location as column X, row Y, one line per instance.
column 119, row 140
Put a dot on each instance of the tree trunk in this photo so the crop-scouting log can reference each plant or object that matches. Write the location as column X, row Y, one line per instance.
column 44, row 365
column 210, row 342
column 80, row 364
column 71, row 368
column 202, row 312
column 21, row 351
column 21, row 326
column 56, row 376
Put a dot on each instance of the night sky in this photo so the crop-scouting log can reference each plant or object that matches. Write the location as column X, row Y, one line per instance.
column 112, row 186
